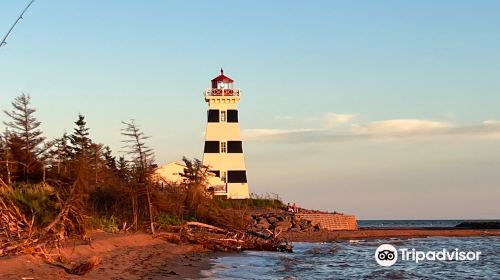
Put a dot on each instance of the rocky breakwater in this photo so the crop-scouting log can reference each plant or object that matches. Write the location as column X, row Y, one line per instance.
column 278, row 222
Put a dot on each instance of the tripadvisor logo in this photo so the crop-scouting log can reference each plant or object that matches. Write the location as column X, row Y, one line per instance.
column 387, row 255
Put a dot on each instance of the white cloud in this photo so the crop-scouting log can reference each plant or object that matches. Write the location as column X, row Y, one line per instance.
column 332, row 127
column 491, row 122
column 332, row 119
column 403, row 127
column 259, row 133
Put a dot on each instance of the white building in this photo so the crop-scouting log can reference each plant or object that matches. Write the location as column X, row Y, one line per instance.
column 170, row 174
column 223, row 151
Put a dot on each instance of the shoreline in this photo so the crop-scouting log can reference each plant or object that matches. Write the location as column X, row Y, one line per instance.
column 139, row 255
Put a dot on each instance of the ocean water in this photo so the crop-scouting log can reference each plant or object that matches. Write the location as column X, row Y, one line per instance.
column 355, row 259
column 411, row 223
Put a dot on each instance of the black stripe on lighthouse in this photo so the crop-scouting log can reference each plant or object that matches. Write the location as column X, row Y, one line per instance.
column 234, row 147
column 212, row 147
column 232, row 116
column 213, row 115
column 237, row 176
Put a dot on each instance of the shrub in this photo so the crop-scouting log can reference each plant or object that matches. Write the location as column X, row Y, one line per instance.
column 38, row 201
column 165, row 220
column 107, row 224
column 250, row 203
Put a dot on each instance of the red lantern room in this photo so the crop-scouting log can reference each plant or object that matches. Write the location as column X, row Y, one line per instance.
column 222, row 81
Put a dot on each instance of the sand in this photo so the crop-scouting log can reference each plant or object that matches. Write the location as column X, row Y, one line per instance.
column 123, row 256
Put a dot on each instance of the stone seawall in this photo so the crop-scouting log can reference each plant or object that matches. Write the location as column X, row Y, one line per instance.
column 331, row 221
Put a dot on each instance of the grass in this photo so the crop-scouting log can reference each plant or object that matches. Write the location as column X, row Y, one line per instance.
column 250, row 203
column 165, row 220
column 107, row 224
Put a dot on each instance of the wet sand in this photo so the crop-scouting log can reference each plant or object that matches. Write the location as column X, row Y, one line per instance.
column 131, row 256
column 381, row 233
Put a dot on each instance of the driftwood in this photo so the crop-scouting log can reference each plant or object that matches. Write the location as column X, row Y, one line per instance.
column 18, row 235
column 81, row 268
column 218, row 239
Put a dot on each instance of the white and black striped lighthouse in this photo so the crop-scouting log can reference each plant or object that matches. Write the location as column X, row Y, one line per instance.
column 223, row 146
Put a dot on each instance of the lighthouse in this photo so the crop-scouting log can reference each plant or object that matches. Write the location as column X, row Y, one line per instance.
column 223, row 152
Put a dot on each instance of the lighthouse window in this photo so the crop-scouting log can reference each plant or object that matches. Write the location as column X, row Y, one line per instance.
column 223, row 147
column 223, row 177
column 232, row 116
column 213, row 115
column 236, row 176
column 222, row 116
column 234, row 147
column 211, row 146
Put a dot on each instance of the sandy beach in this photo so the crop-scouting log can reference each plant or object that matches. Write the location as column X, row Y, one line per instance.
column 123, row 256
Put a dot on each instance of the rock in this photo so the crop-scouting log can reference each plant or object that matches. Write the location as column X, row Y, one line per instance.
column 261, row 226
column 264, row 223
column 304, row 224
column 272, row 220
column 283, row 226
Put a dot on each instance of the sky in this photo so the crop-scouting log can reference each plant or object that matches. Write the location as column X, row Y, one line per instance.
column 382, row 109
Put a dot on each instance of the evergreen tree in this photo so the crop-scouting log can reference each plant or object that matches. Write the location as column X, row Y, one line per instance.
column 123, row 170
column 61, row 155
column 109, row 159
column 80, row 141
column 29, row 137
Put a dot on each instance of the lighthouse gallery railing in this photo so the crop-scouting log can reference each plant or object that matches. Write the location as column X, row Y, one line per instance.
column 222, row 92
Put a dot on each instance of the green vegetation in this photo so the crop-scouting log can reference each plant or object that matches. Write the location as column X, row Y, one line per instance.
column 164, row 220
column 254, row 202
column 35, row 201
column 107, row 224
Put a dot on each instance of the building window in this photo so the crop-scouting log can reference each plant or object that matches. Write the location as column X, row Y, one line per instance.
column 232, row 116
column 234, row 147
column 237, row 176
column 211, row 147
column 223, row 147
column 223, row 116
column 223, row 177
column 213, row 115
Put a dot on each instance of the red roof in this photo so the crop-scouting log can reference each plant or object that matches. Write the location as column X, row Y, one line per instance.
column 222, row 78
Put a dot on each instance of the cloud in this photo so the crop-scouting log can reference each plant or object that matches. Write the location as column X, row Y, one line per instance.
column 332, row 119
column 401, row 128
column 386, row 129
column 264, row 133
column 491, row 122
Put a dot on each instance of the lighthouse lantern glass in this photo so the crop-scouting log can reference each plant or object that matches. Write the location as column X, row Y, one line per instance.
column 222, row 85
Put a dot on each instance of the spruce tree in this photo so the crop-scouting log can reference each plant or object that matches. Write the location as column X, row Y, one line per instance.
column 26, row 130
column 80, row 141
